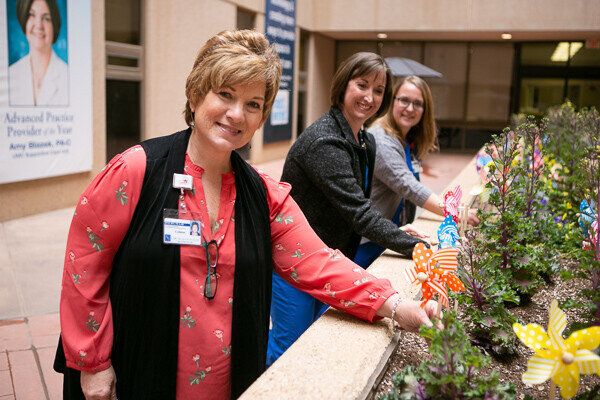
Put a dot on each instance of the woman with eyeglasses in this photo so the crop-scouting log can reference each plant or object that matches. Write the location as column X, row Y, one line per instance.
column 149, row 311
column 404, row 135
column 330, row 168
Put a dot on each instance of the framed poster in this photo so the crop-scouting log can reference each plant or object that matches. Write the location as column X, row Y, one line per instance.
column 280, row 29
column 45, row 89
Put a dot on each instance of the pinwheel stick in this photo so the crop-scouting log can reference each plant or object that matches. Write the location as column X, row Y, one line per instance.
column 438, row 313
column 552, row 390
column 463, row 212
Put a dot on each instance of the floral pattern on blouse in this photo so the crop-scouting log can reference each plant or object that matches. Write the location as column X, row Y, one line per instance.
column 99, row 224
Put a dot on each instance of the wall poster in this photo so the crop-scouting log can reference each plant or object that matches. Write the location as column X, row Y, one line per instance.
column 280, row 29
column 45, row 88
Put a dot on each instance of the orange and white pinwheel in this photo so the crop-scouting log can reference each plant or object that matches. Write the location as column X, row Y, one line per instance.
column 433, row 271
column 452, row 203
column 557, row 358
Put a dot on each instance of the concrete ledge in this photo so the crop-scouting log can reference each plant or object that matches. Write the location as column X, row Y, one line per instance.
column 339, row 356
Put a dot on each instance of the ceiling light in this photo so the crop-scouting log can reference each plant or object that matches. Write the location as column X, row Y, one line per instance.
column 506, row 36
column 564, row 52
column 382, row 36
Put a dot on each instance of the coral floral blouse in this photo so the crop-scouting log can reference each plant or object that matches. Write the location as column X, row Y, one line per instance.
column 101, row 220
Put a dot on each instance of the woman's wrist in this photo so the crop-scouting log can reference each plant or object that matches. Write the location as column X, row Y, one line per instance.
column 394, row 307
column 388, row 309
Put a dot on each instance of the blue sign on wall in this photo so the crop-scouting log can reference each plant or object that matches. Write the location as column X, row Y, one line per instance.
column 280, row 28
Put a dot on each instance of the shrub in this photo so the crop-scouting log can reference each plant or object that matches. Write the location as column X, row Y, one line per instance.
column 453, row 372
column 485, row 313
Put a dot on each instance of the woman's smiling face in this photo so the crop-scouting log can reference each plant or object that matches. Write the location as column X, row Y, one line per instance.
column 408, row 116
column 363, row 98
column 227, row 117
column 39, row 29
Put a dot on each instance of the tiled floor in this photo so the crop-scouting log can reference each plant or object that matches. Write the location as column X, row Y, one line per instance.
column 30, row 273
column 27, row 348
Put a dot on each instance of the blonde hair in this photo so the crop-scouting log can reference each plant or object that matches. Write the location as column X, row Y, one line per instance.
column 231, row 58
column 423, row 134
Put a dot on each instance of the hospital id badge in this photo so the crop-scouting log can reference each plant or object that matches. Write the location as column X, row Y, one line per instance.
column 416, row 165
column 180, row 231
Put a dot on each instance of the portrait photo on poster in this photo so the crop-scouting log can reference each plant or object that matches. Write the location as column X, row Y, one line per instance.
column 38, row 71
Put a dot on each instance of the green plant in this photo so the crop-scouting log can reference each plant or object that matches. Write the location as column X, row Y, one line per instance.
column 514, row 226
column 453, row 371
column 483, row 301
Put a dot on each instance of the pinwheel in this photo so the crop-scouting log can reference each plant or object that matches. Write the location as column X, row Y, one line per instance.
column 481, row 191
column 589, row 243
column 561, row 360
column 452, row 203
column 433, row 271
column 587, row 215
column 483, row 159
column 447, row 233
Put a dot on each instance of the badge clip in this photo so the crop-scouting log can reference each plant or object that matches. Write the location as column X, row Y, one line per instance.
column 183, row 181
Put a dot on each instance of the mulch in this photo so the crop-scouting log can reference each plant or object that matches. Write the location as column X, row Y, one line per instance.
column 412, row 349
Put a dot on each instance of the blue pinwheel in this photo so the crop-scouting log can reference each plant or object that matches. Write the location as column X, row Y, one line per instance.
column 448, row 233
column 587, row 215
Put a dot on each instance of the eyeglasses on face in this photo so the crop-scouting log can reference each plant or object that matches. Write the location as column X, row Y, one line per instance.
column 212, row 256
column 405, row 102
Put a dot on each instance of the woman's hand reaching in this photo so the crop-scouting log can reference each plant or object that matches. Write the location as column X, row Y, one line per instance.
column 409, row 314
column 412, row 231
column 472, row 218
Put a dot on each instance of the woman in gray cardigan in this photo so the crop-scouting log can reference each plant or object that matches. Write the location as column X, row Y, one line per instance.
column 405, row 135
column 330, row 168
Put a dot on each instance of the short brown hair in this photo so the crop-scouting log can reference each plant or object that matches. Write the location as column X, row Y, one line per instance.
column 424, row 133
column 361, row 64
column 23, row 7
column 231, row 58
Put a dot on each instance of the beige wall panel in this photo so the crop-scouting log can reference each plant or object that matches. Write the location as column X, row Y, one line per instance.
column 400, row 15
column 21, row 199
column 451, row 15
column 174, row 33
column 321, row 68
column 304, row 14
column 343, row 14
column 390, row 15
column 258, row 6
column 536, row 15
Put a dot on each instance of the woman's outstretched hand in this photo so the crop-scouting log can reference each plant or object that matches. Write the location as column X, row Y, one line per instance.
column 412, row 231
column 409, row 314
column 472, row 218
column 99, row 385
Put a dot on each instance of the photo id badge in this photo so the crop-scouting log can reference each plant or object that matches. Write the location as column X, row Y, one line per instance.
column 416, row 165
column 180, row 231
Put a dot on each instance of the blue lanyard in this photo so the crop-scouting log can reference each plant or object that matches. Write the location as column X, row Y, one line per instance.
column 396, row 217
column 361, row 140
column 408, row 157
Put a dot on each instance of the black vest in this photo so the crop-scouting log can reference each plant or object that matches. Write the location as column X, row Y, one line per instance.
column 145, row 281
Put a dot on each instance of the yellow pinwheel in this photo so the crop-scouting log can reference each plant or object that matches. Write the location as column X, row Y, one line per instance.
column 557, row 358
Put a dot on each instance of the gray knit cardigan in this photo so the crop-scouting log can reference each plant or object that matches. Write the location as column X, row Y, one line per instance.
column 326, row 168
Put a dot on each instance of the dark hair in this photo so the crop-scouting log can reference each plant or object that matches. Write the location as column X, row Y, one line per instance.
column 23, row 7
column 233, row 57
column 361, row 64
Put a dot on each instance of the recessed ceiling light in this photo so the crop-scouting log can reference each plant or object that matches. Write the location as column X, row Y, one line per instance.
column 563, row 51
column 506, row 36
column 382, row 36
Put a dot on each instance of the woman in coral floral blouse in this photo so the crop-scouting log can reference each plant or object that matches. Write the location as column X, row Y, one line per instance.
column 146, row 316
